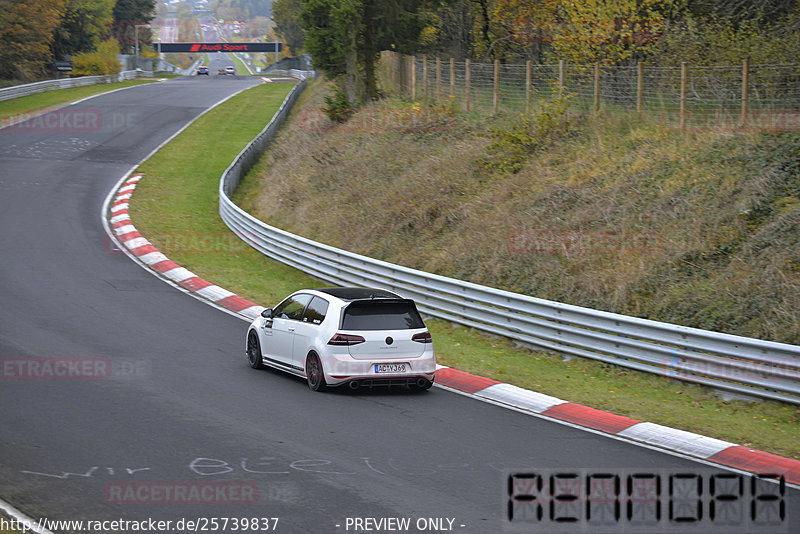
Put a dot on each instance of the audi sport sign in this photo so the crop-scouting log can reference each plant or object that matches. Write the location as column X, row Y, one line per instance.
column 217, row 47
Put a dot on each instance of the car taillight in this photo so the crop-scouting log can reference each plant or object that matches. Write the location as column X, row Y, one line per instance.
column 346, row 339
column 422, row 337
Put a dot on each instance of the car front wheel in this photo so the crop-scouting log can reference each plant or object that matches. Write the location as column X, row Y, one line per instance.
column 254, row 351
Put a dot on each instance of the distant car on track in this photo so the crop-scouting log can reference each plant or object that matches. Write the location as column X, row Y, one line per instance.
column 202, row 70
column 345, row 336
column 221, row 72
column 230, row 70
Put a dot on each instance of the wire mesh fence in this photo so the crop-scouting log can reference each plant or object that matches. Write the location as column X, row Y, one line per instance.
column 763, row 97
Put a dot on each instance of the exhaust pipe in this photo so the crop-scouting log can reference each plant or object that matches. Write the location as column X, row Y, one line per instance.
column 421, row 382
column 354, row 385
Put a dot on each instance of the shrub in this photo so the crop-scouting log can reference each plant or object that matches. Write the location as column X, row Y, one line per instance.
column 101, row 61
column 338, row 109
column 511, row 147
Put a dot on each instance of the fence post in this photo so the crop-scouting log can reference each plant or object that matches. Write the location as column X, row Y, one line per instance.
column 452, row 77
column 396, row 68
column 413, row 78
column 496, row 99
column 560, row 78
column 639, row 86
column 745, row 82
column 425, row 77
column 438, row 79
column 682, row 119
column 468, row 80
column 596, row 86
column 528, row 86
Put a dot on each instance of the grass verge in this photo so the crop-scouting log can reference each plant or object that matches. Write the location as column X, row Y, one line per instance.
column 42, row 101
column 6, row 520
column 190, row 231
column 240, row 67
column 175, row 207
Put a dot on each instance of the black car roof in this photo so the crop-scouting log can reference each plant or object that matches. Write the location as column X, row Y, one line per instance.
column 358, row 293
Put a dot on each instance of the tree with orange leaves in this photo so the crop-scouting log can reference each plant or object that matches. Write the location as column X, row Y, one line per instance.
column 27, row 34
column 588, row 31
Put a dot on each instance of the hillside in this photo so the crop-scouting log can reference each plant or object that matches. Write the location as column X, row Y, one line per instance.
column 615, row 212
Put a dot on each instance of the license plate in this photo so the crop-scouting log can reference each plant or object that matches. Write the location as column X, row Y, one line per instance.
column 390, row 367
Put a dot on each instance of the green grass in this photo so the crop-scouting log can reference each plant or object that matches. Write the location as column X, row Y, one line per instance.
column 48, row 99
column 8, row 522
column 240, row 68
column 175, row 206
column 189, row 230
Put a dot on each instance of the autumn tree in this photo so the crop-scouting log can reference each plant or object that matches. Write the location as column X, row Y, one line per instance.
column 127, row 15
column 724, row 42
column 345, row 38
column 27, row 33
column 103, row 60
column 286, row 14
column 84, row 24
column 754, row 12
column 589, row 31
column 449, row 30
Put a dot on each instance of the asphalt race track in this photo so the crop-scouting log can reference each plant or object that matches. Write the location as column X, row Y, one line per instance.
column 181, row 409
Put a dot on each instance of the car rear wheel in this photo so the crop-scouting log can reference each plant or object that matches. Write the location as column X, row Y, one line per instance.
column 254, row 351
column 422, row 385
column 314, row 374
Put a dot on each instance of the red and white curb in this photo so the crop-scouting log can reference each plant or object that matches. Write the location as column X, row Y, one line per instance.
column 686, row 443
column 145, row 252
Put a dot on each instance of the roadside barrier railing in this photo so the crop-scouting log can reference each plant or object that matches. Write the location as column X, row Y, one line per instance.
column 16, row 91
column 733, row 364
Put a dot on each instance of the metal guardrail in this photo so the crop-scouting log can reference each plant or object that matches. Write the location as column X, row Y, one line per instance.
column 16, row 91
column 293, row 73
column 731, row 363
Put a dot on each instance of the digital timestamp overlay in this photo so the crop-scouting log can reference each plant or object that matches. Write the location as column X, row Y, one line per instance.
column 644, row 501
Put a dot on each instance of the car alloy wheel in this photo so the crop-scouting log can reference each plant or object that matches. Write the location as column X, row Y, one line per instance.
column 254, row 352
column 314, row 374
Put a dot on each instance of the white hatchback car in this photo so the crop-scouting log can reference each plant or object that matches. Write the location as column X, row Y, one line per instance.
column 337, row 336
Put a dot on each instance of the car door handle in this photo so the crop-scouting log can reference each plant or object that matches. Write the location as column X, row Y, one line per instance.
column 290, row 329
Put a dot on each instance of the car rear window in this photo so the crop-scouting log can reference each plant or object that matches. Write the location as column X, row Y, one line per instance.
column 381, row 315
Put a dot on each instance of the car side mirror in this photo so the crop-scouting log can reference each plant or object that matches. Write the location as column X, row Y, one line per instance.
column 267, row 313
